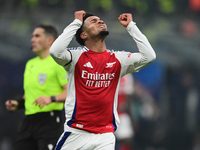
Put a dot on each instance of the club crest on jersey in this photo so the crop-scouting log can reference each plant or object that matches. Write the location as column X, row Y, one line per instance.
column 129, row 54
column 110, row 65
column 42, row 78
column 88, row 65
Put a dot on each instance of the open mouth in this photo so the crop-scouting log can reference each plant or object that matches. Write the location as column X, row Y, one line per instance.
column 101, row 26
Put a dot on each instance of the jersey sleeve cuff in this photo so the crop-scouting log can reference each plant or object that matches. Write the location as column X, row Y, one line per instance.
column 78, row 22
column 130, row 25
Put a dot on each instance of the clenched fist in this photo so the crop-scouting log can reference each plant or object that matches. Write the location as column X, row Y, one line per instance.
column 79, row 15
column 125, row 19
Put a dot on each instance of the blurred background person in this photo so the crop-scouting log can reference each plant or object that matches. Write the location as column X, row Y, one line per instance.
column 45, row 90
column 125, row 132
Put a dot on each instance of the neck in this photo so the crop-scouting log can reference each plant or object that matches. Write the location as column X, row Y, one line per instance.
column 97, row 46
column 43, row 54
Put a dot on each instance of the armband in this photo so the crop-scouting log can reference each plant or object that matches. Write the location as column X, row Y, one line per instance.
column 53, row 99
column 20, row 103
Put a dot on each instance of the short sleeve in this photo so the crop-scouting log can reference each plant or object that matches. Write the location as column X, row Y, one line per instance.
column 61, row 75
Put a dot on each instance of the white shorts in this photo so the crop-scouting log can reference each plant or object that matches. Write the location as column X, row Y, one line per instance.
column 70, row 140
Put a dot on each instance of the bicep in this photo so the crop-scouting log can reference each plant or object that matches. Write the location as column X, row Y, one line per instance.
column 65, row 87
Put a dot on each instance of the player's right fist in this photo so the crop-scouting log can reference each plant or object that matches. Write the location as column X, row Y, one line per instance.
column 79, row 15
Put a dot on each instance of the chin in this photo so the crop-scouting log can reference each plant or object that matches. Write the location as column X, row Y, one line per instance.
column 34, row 50
column 104, row 33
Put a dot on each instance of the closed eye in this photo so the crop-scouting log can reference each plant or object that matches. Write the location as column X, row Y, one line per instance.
column 93, row 20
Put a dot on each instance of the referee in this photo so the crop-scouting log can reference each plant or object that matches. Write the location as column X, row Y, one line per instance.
column 45, row 91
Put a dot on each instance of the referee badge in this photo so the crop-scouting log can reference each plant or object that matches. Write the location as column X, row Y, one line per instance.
column 42, row 78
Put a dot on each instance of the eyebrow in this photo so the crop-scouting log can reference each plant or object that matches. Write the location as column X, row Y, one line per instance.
column 95, row 19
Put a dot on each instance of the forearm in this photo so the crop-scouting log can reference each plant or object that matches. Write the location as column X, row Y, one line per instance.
column 61, row 97
column 58, row 49
column 146, row 53
column 21, row 103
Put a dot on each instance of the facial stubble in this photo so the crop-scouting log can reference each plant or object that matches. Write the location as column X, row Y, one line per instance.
column 104, row 33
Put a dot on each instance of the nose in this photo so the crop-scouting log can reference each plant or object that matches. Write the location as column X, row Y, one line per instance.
column 32, row 39
column 101, row 22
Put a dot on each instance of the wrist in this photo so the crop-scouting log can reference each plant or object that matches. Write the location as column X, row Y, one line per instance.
column 53, row 99
column 20, row 104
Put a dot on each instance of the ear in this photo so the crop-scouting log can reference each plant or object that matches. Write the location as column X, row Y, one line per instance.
column 50, row 40
column 83, row 35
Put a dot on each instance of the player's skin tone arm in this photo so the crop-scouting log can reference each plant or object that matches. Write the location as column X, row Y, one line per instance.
column 12, row 105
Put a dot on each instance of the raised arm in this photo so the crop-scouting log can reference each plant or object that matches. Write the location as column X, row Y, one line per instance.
column 146, row 53
column 58, row 49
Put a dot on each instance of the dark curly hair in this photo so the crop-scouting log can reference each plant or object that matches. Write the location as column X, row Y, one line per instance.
column 80, row 30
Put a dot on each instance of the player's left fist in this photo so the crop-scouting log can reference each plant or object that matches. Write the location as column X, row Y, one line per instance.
column 125, row 19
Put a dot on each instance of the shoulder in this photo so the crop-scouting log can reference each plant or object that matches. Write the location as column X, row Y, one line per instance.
column 32, row 60
column 76, row 52
column 51, row 62
column 123, row 56
column 54, row 65
column 119, row 53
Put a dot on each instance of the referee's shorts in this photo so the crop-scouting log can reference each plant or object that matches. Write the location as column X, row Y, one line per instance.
column 40, row 131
